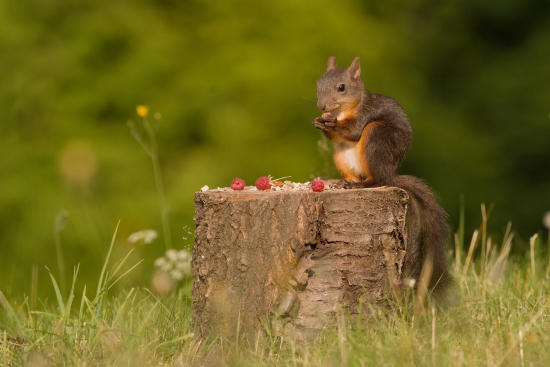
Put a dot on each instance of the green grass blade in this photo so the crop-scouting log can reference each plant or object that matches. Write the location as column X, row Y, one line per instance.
column 49, row 314
column 122, row 307
column 461, row 223
column 100, row 284
column 183, row 337
column 71, row 293
column 92, row 313
column 60, row 302
column 119, row 264
column 6, row 353
column 81, row 312
column 146, row 319
column 158, row 300
column 126, row 272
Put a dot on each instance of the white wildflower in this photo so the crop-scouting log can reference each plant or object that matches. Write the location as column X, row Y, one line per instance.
column 185, row 267
column 410, row 282
column 176, row 274
column 183, row 255
column 176, row 264
column 546, row 220
column 172, row 255
column 160, row 262
column 147, row 235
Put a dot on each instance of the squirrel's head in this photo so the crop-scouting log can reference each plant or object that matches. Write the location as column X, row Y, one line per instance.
column 340, row 89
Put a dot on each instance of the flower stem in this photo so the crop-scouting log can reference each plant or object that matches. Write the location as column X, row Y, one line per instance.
column 152, row 151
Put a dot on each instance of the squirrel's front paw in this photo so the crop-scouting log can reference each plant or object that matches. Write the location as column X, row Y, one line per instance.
column 319, row 124
column 325, row 121
column 329, row 118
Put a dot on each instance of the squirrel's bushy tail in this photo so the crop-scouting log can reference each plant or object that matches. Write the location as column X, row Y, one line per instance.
column 427, row 233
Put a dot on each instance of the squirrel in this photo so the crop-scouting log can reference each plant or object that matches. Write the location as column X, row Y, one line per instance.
column 371, row 135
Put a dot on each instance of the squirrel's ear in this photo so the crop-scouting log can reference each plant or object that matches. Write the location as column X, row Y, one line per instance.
column 331, row 64
column 355, row 69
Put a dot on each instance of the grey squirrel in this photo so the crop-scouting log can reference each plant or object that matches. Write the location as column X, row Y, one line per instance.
column 371, row 135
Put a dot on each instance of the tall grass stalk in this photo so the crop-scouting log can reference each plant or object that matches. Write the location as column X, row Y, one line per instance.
column 151, row 148
column 60, row 223
column 470, row 255
column 532, row 242
column 34, row 286
column 459, row 235
column 484, row 220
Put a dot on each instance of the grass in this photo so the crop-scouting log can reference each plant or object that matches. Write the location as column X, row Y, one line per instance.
column 503, row 320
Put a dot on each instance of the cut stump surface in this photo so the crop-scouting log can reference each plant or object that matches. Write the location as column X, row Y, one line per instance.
column 292, row 260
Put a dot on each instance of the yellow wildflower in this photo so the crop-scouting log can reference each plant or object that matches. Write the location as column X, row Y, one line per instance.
column 142, row 110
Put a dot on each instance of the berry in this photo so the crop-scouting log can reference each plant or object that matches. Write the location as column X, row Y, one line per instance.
column 317, row 185
column 263, row 183
column 237, row 184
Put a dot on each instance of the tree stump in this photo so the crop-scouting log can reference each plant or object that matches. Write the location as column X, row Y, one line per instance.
column 291, row 259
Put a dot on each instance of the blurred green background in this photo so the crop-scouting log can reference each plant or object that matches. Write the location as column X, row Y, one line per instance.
column 235, row 84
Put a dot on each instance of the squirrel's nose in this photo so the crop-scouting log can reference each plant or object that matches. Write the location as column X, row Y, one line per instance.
column 321, row 106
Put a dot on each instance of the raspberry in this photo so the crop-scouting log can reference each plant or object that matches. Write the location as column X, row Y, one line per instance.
column 237, row 184
column 262, row 183
column 317, row 185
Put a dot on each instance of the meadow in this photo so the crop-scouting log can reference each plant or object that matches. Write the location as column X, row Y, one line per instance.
column 502, row 320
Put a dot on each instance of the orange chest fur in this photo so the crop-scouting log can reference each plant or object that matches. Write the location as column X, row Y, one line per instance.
column 350, row 157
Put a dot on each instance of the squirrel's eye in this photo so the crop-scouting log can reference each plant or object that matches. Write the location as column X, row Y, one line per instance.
column 341, row 88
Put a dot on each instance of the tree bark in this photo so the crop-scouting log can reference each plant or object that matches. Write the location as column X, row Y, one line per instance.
column 291, row 260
